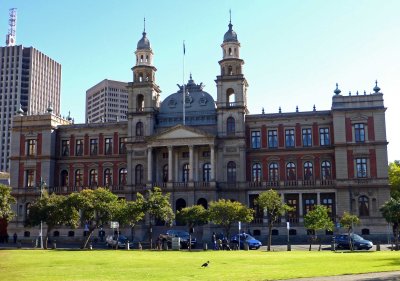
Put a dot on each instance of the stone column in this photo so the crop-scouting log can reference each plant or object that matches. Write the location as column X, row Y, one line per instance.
column 170, row 164
column 319, row 198
column 212, row 160
column 191, row 162
column 300, row 204
column 149, row 165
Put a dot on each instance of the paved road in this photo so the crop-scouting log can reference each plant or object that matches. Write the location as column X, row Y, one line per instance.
column 377, row 276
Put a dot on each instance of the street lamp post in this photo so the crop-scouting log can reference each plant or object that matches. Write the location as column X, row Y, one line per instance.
column 42, row 185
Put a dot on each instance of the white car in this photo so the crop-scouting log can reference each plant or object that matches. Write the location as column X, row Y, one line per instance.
column 111, row 241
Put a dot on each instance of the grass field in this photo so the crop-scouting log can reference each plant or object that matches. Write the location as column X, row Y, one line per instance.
column 159, row 265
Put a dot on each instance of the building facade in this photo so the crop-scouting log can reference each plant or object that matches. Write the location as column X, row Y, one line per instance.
column 107, row 101
column 200, row 150
column 29, row 79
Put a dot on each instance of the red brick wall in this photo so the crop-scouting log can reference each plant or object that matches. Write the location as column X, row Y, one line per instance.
column 39, row 144
column 282, row 170
column 317, row 167
column 100, row 171
column 21, row 175
column 264, row 169
column 281, row 136
column 38, row 171
column 85, row 176
column 86, row 145
column 349, row 136
column 115, row 143
column 372, row 162
column 299, row 165
column 71, row 175
column 72, row 145
column 371, row 129
column 298, row 135
column 22, row 145
column 264, row 136
column 101, row 144
column 115, row 173
column 350, row 164
column 315, row 134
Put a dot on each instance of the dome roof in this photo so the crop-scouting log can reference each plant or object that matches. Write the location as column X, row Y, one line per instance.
column 200, row 106
column 230, row 35
column 143, row 43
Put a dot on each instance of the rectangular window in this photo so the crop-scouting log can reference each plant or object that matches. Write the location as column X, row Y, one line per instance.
column 324, row 136
column 307, row 138
column 65, row 148
column 108, row 146
column 31, row 145
column 361, row 166
column 255, row 139
column 79, row 147
column 93, row 146
column 122, row 145
column 30, row 178
column 359, row 132
column 272, row 139
column 289, row 137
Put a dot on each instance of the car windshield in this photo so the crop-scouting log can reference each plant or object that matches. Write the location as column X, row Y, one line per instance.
column 356, row 237
column 249, row 237
column 178, row 233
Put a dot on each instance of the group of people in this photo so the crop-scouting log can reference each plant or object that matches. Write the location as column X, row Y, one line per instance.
column 220, row 242
column 5, row 237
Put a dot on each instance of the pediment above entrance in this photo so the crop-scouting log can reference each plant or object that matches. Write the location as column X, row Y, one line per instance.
column 182, row 133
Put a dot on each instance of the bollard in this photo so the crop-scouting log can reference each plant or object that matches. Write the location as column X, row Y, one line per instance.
column 205, row 246
column 378, row 246
column 289, row 247
column 140, row 246
column 19, row 245
column 245, row 246
column 90, row 246
column 127, row 246
column 54, row 245
column 333, row 246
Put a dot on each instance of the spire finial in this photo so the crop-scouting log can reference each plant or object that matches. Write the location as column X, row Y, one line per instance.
column 144, row 25
column 337, row 91
column 376, row 88
column 230, row 16
column 191, row 76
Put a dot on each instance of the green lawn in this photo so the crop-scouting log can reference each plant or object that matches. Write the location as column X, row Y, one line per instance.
column 159, row 265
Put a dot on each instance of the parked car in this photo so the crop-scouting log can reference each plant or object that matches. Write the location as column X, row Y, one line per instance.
column 183, row 235
column 359, row 243
column 246, row 238
column 111, row 241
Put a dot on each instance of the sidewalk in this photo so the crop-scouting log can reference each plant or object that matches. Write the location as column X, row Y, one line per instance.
column 376, row 276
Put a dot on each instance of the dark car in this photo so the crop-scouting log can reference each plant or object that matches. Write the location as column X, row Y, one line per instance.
column 246, row 238
column 342, row 242
column 183, row 235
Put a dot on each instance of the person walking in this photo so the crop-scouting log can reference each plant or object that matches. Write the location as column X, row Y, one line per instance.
column 214, row 240
column 15, row 237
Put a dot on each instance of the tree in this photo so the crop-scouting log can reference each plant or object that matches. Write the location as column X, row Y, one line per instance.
column 225, row 213
column 157, row 206
column 391, row 212
column 6, row 199
column 192, row 216
column 318, row 219
column 273, row 207
column 54, row 210
column 394, row 179
column 97, row 207
column 349, row 221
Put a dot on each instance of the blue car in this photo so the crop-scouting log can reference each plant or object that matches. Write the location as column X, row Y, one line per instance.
column 359, row 243
column 246, row 238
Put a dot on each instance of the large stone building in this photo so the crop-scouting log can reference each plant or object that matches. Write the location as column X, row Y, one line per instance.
column 336, row 158
column 30, row 80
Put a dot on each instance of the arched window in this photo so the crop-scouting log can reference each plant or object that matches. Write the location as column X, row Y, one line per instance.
column 363, row 206
column 308, row 171
column 230, row 71
column 231, row 172
column 180, row 204
column 78, row 177
column 64, row 178
column 207, row 172
column 230, row 51
column 139, row 174
column 202, row 202
column 230, row 126
column 230, row 96
column 140, row 98
column 290, row 171
column 139, row 129
column 147, row 58
column 93, row 177
column 326, row 170
column 140, row 77
column 273, row 172
column 141, row 58
column 165, row 173
column 122, row 176
column 256, row 172
column 107, row 177
column 185, row 173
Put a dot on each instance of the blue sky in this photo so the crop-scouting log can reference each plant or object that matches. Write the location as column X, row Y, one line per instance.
column 294, row 51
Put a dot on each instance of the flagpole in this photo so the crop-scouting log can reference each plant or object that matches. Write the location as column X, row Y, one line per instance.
column 183, row 83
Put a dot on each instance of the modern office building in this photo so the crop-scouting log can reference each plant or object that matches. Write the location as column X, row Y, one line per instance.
column 201, row 149
column 107, row 101
column 30, row 79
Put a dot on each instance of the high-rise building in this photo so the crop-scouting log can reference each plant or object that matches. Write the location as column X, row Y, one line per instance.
column 107, row 101
column 28, row 79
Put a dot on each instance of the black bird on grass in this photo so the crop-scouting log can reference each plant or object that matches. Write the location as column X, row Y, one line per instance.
column 205, row 264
